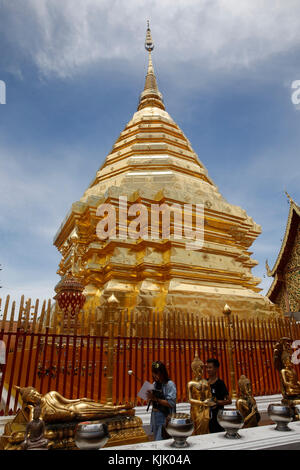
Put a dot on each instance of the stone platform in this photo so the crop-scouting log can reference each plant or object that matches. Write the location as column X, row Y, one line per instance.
column 143, row 417
column 259, row 438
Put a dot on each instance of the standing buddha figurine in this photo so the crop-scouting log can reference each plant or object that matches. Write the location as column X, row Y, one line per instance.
column 200, row 398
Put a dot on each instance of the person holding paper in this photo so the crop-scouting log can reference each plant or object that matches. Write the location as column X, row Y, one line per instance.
column 146, row 387
column 162, row 397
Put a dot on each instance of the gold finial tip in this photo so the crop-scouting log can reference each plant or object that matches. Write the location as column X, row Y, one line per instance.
column 289, row 197
column 226, row 309
column 149, row 46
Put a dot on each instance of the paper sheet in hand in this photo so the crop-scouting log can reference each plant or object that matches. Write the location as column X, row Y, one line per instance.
column 2, row 352
column 143, row 392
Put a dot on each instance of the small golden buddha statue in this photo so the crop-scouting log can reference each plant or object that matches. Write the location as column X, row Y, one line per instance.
column 34, row 434
column 246, row 403
column 290, row 385
column 55, row 407
column 200, row 398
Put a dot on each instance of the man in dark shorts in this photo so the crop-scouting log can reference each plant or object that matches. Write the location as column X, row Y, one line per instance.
column 219, row 392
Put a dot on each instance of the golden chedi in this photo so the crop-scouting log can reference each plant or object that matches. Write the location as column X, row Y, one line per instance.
column 200, row 398
column 153, row 163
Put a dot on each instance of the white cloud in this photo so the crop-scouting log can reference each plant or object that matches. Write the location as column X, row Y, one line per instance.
column 64, row 37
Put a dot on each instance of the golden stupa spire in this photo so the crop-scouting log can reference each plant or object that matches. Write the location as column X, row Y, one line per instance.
column 151, row 95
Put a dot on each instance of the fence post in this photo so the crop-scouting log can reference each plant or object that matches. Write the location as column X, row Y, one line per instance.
column 227, row 313
column 112, row 303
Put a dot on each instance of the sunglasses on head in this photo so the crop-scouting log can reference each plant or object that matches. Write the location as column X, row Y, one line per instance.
column 155, row 365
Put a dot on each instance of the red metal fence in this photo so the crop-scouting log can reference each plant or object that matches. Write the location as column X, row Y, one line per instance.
column 75, row 360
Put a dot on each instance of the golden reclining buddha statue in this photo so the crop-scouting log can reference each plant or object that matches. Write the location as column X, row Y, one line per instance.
column 61, row 416
column 56, row 408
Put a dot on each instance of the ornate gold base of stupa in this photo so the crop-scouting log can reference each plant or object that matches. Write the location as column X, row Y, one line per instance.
column 61, row 436
column 163, row 297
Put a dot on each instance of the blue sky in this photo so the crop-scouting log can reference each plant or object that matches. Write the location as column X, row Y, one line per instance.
column 73, row 72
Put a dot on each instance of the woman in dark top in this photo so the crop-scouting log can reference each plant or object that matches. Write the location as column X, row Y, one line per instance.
column 219, row 392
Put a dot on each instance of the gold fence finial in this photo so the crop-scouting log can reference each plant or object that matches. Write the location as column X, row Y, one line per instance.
column 150, row 96
column 226, row 309
column 112, row 300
